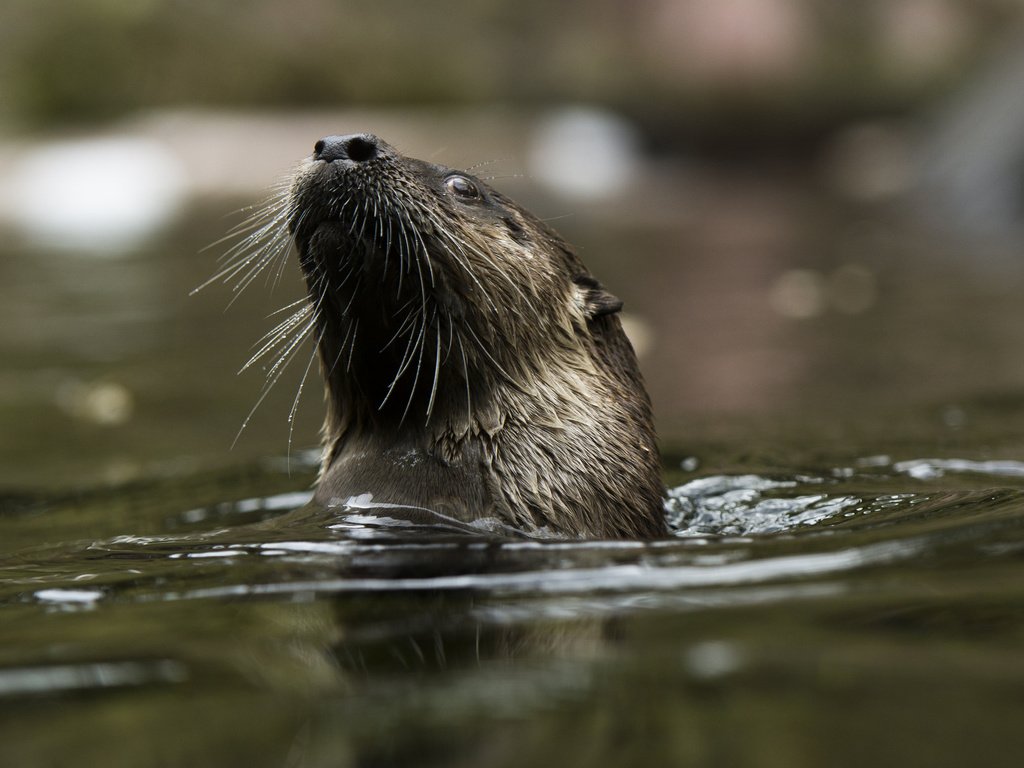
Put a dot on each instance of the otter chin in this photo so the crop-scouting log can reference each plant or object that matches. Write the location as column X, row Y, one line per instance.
column 473, row 366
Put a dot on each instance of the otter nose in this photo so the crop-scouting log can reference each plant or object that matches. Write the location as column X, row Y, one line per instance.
column 357, row 148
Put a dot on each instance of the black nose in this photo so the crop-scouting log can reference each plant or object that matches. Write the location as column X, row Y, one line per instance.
column 358, row 148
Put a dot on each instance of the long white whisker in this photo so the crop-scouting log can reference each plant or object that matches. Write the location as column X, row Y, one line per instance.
column 295, row 402
column 274, row 375
column 437, row 370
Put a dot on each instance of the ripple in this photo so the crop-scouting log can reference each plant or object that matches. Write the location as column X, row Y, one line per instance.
column 738, row 505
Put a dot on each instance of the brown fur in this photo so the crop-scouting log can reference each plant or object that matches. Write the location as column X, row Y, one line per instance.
column 473, row 365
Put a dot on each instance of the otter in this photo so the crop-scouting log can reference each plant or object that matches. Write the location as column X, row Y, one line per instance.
column 473, row 366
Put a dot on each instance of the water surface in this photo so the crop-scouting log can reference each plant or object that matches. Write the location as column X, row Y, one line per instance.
column 788, row 614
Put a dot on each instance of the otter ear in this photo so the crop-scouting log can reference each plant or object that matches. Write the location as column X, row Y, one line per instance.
column 594, row 299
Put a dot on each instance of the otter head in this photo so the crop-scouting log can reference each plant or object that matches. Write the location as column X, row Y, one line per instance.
column 454, row 327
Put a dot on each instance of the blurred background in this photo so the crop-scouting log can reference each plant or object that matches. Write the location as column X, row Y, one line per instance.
column 812, row 208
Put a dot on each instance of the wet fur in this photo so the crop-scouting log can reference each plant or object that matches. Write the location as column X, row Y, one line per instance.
column 473, row 365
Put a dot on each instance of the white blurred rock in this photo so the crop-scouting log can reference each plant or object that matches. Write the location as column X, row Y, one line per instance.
column 584, row 153
column 98, row 195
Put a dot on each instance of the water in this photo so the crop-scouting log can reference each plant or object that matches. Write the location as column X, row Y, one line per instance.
column 789, row 615
column 845, row 585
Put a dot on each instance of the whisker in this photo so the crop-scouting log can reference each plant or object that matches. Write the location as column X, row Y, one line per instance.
column 505, row 176
column 419, row 366
column 407, row 356
column 437, row 371
column 279, row 334
column 485, row 163
column 465, row 376
column 483, row 348
column 273, row 376
column 295, row 402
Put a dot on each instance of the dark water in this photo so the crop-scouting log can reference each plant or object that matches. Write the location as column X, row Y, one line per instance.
column 836, row 617
column 845, row 586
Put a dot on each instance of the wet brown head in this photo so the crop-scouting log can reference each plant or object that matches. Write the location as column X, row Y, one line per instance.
column 473, row 365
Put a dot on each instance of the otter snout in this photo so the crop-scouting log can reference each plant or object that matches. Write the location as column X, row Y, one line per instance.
column 354, row 148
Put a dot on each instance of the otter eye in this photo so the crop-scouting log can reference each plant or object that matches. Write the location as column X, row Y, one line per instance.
column 462, row 187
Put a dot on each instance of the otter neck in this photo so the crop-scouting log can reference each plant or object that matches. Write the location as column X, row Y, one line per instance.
column 414, row 377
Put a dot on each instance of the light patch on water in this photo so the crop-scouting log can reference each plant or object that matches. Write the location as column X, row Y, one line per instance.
column 77, row 598
column 279, row 502
column 283, row 501
column 335, row 548
column 71, row 677
column 954, row 417
column 213, row 552
column 713, row 659
column 881, row 460
column 195, row 515
column 216, row 553
column 107, row 403
column 930, row 469
column 690, row 464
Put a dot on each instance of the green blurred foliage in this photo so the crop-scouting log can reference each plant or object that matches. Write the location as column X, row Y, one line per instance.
column 87, row 61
